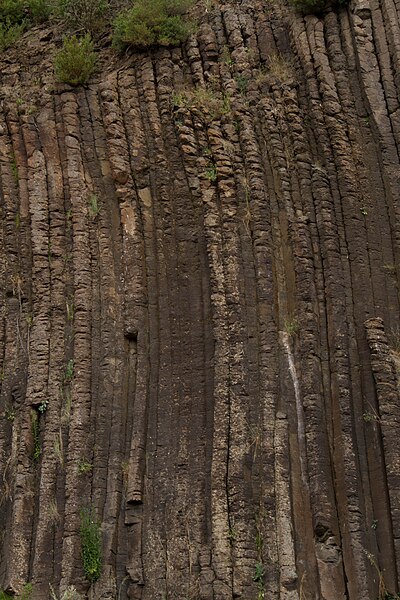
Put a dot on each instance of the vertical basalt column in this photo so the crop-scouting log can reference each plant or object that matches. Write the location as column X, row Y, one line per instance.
column 387, row 418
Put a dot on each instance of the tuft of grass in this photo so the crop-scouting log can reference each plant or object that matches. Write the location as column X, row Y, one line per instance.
column 242, row 84
column 84, row 467
column 76, row 61
column 153, row 23
column 210, row 103
column 10, row 414
column 291, row 326
column 90, row 544
column 27, row 592
column 281, row 68
column 211, row 172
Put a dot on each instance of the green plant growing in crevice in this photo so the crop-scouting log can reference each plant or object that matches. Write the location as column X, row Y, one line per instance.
column 232, row 534
column 258, row 578
column 242, row 84
column 68, row 216
column 75, row 62
column 69, row 371
column 371, row 415
column 84, row 467
column 94, row 207
column 211, row 172
column 66, row 411
column 27, row 592
column 90, row 544
column 10, row 415
column 14, row 168
column 291, row 326
column 226, row 57
column 43, row 405
column 37, row 450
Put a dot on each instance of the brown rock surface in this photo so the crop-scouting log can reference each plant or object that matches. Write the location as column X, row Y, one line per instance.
column 199, row 311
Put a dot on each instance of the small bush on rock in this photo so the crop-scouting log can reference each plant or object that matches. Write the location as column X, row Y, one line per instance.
column 85, row 14
column 75, row 62
column 9, row 34
column 153, row 22
column 18, row 15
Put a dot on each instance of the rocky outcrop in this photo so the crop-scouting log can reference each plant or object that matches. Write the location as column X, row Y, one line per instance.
column 190, row 248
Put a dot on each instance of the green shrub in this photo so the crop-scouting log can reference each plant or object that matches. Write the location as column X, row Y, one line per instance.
column 85, row 14
column 18, row 15
column 40, row 10
column 75, row 62
column 13, row 11
column 153, row 22
column 90, row 544
column 9, row 34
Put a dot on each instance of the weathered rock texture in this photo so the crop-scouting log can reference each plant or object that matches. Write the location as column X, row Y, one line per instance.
column 200, row 312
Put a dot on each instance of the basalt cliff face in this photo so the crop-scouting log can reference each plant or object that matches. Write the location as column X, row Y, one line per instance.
column 199, row 331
